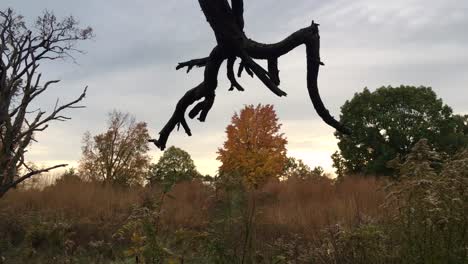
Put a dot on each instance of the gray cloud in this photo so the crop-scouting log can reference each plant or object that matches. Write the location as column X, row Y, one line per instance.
column 365, row 43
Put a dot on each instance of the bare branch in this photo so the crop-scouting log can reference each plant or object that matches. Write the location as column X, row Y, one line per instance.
column 232, row 77
column 273, row 70
column 21, row 179
column 241, row 69
column 227, row 22
column 238, row 10
column 192, row 63
column 54, row 115
column 21, row 51
column 204, row 90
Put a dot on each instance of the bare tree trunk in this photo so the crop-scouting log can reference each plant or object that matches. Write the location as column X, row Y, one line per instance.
column 21, row 52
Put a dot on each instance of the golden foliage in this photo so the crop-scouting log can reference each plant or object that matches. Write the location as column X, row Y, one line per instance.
column 254, row 148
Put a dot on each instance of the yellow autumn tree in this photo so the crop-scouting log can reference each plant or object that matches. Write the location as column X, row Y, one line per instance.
column 255, row 150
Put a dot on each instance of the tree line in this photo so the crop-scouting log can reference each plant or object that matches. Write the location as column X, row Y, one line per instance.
column 255, row 148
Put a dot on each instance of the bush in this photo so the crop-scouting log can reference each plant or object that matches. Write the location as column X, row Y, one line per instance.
column 431, row 202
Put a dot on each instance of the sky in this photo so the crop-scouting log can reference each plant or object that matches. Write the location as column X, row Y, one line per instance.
column 130, row 66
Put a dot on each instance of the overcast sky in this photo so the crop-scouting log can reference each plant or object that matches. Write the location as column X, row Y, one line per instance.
column 130, row 66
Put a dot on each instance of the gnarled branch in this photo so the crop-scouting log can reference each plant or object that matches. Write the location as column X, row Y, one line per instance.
column 227, row 22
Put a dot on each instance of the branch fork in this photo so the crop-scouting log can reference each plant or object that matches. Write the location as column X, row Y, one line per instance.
column 227, row 22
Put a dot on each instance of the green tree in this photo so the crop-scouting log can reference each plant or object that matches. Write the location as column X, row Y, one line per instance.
column 174, row 166
column 389, row 121
column 318, row 171
column 296, row 168
column 339, row 165
column 70, row 176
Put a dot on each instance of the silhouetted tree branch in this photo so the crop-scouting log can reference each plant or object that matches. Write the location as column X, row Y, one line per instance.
column 21, row 52
column 227, row 22
column 26, row 176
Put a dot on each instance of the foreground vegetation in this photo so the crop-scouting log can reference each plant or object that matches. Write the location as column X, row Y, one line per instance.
column 89, row 222
column 421, row 218
column 262, row 207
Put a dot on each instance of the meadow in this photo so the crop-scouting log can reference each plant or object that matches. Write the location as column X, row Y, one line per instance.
column 85, row 221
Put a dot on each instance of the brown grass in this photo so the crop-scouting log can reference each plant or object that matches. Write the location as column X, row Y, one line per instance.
column 304, row 206
column 73, row 200
column 188, row 205
column 289, row 207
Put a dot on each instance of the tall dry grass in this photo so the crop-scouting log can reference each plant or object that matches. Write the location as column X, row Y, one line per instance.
column 73, row 200
column 94, row 212
column 305, row 206
column 188, row 205
column 295, row 205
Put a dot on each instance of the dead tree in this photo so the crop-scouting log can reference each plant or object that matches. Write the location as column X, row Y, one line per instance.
column 227, row 22
column 22, row 52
